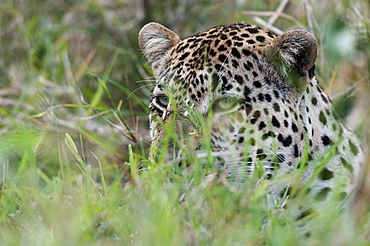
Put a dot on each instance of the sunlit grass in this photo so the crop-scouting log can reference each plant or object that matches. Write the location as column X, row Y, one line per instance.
column 158, row 207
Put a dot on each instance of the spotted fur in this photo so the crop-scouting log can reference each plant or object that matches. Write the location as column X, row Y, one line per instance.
column 265, row 102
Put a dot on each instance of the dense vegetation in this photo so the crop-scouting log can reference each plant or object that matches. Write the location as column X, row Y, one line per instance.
column 74, row 90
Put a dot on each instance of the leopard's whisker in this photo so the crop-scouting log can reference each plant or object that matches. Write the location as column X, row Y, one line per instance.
column 139, row 88
column 146, row 80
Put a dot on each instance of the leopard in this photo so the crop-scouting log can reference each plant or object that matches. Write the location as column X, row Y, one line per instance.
column 262, row 105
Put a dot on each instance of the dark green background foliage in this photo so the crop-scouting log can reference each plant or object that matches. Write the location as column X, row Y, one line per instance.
column 74, row 90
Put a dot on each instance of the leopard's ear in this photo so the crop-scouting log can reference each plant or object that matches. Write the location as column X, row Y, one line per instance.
column 156, row 41
column 294, row 53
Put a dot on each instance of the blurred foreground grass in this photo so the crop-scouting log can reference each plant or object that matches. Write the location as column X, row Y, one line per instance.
column 74, row 138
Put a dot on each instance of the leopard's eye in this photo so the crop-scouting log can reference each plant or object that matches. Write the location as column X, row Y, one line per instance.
column 163, row 101
column 224, row 105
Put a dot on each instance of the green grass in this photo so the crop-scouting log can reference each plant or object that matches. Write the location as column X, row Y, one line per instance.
column 74, row 166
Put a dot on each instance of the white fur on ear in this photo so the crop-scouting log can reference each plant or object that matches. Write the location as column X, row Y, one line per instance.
column 294, row 54
column 156, row 41
column 298, row 48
